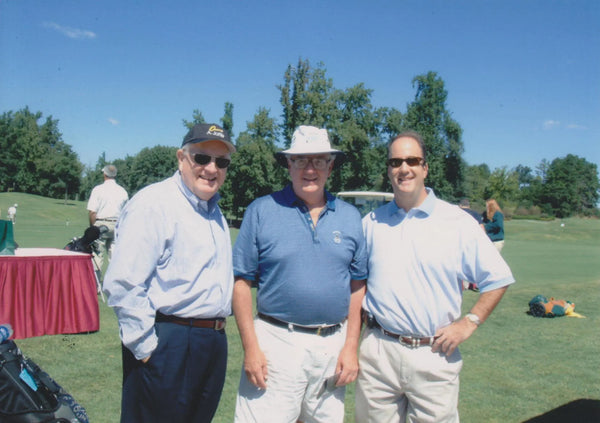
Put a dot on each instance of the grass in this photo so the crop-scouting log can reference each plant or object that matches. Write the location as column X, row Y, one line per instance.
column 515, row 366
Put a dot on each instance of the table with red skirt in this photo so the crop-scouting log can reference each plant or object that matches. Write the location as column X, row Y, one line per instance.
column 48, row 291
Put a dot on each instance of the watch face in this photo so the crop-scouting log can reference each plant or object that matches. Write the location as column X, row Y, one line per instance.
column 474, row 318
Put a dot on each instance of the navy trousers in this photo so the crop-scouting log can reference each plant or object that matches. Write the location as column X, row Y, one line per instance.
column 182, row 381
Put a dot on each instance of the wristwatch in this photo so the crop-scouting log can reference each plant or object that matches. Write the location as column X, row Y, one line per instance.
column 473, row 318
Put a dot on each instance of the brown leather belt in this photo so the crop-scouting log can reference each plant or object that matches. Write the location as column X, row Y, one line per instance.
column 409, row 341
column 319, row 330
column 216, row 324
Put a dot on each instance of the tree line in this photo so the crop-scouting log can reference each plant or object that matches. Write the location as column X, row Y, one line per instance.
column 36, row 160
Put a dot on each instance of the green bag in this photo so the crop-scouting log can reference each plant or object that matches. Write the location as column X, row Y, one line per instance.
column 7, row 239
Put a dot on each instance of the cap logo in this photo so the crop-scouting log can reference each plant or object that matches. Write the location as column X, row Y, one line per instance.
column 215, row 132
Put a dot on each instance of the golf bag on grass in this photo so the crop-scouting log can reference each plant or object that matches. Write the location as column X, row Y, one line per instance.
column 29, row 395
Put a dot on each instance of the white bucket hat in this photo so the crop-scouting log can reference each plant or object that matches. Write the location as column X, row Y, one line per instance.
column 310, row 140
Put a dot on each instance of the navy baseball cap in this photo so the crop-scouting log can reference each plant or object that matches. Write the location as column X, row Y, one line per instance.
column 208, row 132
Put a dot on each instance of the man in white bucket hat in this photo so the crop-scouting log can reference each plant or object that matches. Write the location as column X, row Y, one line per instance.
column 306, row 251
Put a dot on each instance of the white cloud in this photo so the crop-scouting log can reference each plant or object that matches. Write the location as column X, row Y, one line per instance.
column 576, row 126
column 113, row 121
column 550, row 124
column 70, row 32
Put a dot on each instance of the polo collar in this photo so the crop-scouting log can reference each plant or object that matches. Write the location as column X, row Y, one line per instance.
column 293, row 201
column 426, row 207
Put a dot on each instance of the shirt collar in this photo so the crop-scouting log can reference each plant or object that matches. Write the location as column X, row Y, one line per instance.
column 426, row 207
column 197, row 203
column 292, row 200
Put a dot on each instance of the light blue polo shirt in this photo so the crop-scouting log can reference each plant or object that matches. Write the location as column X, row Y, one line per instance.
column 303, row 272
column 418, row 260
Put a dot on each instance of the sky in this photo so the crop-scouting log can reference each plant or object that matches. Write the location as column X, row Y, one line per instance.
column 522, row 76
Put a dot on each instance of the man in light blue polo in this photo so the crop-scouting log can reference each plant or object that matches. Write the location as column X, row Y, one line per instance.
column 420, row 250
column 306, row 250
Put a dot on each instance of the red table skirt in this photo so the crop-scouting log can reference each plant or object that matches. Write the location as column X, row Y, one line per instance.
column 48, row 294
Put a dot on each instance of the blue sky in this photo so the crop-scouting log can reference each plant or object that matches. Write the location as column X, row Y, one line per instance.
column 523, row 77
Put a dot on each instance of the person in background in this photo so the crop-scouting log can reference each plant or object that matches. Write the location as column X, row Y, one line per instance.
column 170, row 283
column 12, row 213
column 494, row 223
column 306, row 250
column 104, row 207
column 465, row 204
column 420, row 250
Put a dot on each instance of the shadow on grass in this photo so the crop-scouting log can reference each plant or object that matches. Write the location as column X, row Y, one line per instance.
column 581, row 410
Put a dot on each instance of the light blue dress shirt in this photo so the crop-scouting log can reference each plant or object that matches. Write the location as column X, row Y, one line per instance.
column 418, row 260
column 172, row 254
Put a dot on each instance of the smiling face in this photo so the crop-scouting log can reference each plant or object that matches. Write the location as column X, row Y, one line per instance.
column 408, row 182
column 309, row 183
column 203, row 180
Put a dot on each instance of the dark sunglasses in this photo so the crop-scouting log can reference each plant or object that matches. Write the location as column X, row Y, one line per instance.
column 411, row 161
column 204, row 159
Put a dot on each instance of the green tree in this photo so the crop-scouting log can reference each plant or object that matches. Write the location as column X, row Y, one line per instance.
column 571, row 186
column 34, row 157
column 503, row 185
column 476, row 182
column 306, row 97
column 227, row 119
column 253, row 171
column 197, row 118
column 151, row 165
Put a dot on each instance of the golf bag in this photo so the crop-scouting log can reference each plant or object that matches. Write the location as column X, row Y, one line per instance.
column 87, row 243
column 29, row 395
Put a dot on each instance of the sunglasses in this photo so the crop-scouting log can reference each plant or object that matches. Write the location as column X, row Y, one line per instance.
column 204, row 159
column 318, row 163
column 411, row 161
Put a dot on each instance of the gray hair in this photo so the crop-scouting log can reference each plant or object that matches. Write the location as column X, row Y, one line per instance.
column 110, row 171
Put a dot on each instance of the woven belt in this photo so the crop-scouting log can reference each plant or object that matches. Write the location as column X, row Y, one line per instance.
column 320, row 330
column 409, row 341
column 216, row 324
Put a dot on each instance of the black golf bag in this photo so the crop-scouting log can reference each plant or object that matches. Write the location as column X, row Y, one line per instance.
column 86, row 244
column 29, row 395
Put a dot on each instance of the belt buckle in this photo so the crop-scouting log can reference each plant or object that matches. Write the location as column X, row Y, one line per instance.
column 219, row 324
column 410, row 341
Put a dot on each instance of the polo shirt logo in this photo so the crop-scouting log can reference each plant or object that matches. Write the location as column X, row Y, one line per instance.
column 337, row 237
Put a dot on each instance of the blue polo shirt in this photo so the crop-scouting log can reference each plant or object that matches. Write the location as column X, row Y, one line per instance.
column 303, row 272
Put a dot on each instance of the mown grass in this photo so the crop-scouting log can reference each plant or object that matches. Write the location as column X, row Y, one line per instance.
column 515, row 366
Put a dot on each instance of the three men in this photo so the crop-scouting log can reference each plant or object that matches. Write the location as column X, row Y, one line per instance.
column 170, row 283
column 306, row 251
column 420, row 249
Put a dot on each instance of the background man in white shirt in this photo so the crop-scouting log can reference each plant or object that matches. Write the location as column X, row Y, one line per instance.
column 104, row 207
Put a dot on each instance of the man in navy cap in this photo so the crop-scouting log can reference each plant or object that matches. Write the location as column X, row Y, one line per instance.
column 170, row 283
